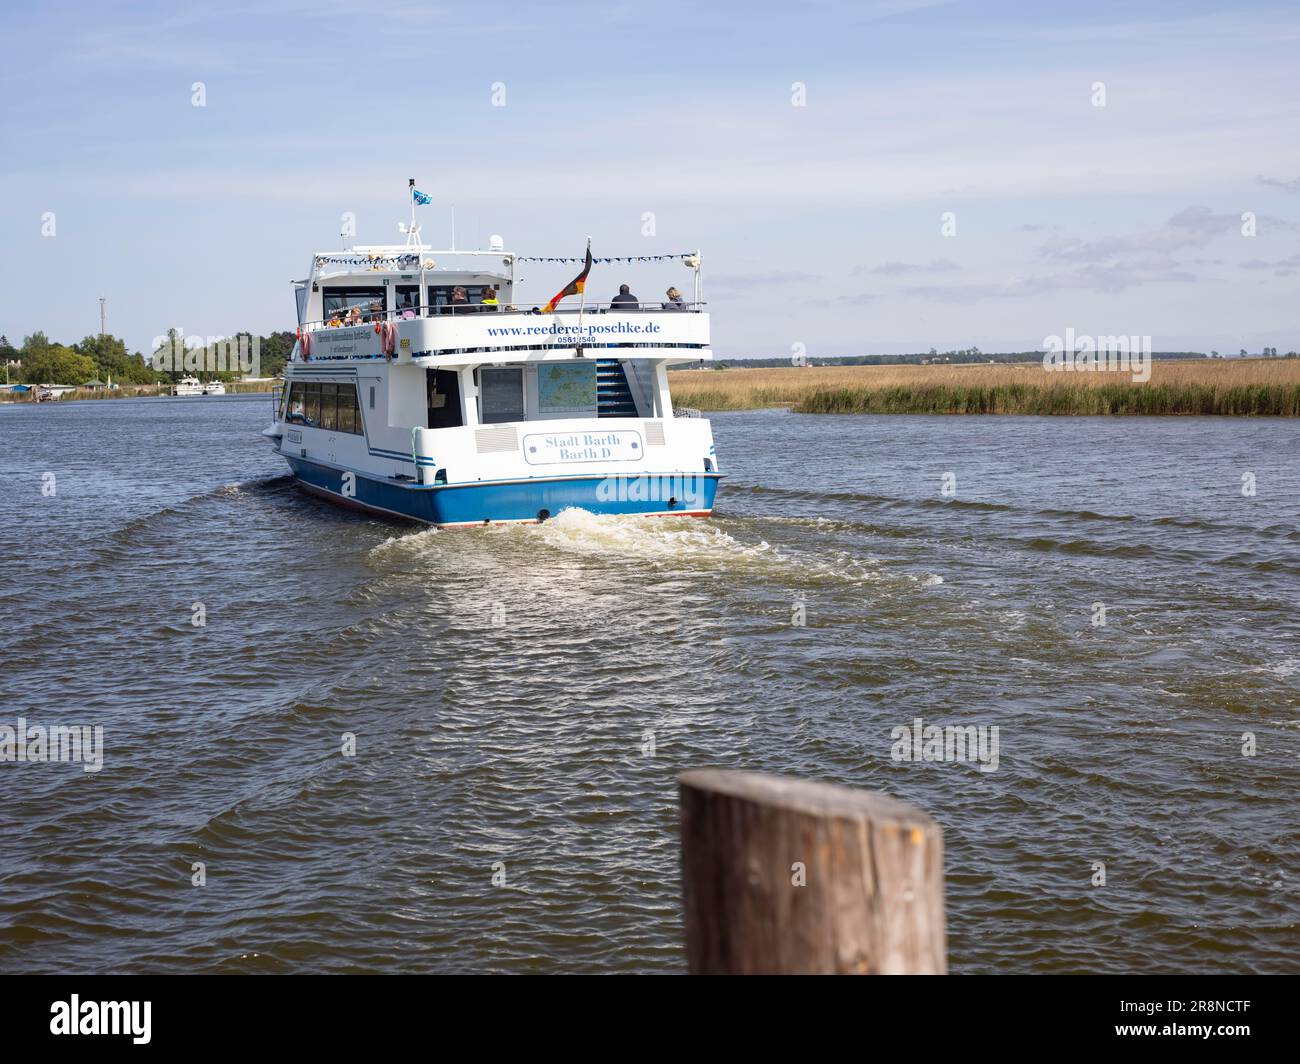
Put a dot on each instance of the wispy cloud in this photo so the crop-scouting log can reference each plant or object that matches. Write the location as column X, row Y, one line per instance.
column 1192, row 227
column 1292, row 185
column 901, row 269
column 1281, row 267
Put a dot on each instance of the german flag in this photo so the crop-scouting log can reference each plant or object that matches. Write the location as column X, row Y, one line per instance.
column 574, row 287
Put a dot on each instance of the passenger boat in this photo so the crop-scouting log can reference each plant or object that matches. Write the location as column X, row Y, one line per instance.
column 188, row 386
column 441, row 408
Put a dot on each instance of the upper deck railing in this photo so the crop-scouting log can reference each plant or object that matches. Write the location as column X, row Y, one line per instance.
column 366, row 316
column 473, row 334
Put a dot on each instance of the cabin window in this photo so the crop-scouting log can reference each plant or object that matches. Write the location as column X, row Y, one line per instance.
column 501, row 395
column 295, row 406
column 328, row 404
column 338, row 300
column 348, row 416
column 320, row 405
column 312, row 411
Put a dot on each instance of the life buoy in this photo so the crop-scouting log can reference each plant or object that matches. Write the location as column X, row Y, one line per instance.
column 388, row 339
column 304, row 344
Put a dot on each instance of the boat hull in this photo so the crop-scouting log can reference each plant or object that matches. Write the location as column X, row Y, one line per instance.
column 526, row 500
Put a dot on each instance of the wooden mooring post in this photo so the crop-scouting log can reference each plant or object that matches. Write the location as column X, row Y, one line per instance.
column 787, row 876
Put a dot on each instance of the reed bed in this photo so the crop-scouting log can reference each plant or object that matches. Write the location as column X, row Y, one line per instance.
column 1238, row 387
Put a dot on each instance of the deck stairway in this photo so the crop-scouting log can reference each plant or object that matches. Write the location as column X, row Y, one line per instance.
column 613, row 396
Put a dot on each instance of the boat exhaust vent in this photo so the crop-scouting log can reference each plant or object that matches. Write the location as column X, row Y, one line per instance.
column 654, row 434
column 495, row 440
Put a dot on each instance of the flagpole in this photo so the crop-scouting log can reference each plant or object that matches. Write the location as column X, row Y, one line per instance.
column 582, row 303
column 410, row 194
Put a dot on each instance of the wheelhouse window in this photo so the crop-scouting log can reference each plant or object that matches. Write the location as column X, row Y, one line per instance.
column 321, row 405
column 408, row 299
column 369, row 301
column 440, row 299
column 501, row 395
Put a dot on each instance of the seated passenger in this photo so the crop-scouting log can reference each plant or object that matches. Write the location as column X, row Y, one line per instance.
column 375, row 313
column 354, row 316
column 675, row 300
column 335, row 321
column 459, row 299
column 489, row 298
column 625, row 300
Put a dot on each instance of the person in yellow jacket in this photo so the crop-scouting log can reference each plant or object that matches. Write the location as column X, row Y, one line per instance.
column 489, row 299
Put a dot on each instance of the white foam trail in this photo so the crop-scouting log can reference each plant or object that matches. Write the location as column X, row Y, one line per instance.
column 678, row 542
column 647, row 538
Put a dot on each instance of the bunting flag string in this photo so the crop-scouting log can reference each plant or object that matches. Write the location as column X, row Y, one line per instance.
column 368, row 260
column 608, row 258
column 413, row 260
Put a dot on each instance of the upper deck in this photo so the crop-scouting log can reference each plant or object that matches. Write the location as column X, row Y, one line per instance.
column 413, row 305
column 517, row 336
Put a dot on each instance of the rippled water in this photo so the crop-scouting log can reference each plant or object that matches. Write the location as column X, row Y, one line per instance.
column 504, row 686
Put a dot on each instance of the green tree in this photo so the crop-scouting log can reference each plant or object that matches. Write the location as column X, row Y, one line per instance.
column 56, row 364
column 112, row 360
column 276, row 350
column 35, row 344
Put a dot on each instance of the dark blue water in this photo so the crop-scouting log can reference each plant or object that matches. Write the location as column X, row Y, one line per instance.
column 521, row 698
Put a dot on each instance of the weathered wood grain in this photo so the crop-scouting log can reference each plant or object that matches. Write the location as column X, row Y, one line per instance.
column 872, row 873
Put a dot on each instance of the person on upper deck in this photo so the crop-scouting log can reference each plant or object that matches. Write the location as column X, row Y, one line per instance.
column 489, row 299
column 625, row 300
column 675, row 300
column 459, row 299
column 375, row 313
column 354, row 316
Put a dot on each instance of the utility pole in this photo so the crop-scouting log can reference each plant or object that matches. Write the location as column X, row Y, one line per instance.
column 101, row 315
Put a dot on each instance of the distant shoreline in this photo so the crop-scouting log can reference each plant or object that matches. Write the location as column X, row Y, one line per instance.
column 139, row 391
column 1265, row 387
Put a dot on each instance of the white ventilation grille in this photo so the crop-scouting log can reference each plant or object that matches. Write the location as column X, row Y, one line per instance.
column 494, row 440
column 654, row 434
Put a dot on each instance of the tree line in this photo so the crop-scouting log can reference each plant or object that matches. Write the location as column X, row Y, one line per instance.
column 105, row 357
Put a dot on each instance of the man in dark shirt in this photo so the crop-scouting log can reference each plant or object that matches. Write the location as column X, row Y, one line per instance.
column 625, row 300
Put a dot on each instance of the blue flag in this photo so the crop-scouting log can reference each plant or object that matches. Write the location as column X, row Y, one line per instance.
column 420, row 197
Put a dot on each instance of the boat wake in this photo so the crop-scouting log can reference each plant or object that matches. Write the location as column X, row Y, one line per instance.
column 666, row 543
column 667, row 539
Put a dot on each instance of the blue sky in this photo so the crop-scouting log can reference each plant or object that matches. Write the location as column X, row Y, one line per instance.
column 819, row 224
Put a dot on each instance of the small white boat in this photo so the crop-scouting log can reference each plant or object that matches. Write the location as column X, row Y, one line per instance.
column 440, row 407
column 194, row 386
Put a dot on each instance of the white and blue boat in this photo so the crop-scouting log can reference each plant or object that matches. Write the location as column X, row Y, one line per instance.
column 409, row 395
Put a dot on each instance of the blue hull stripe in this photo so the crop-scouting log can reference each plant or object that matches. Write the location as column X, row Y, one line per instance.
column 473, row 504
